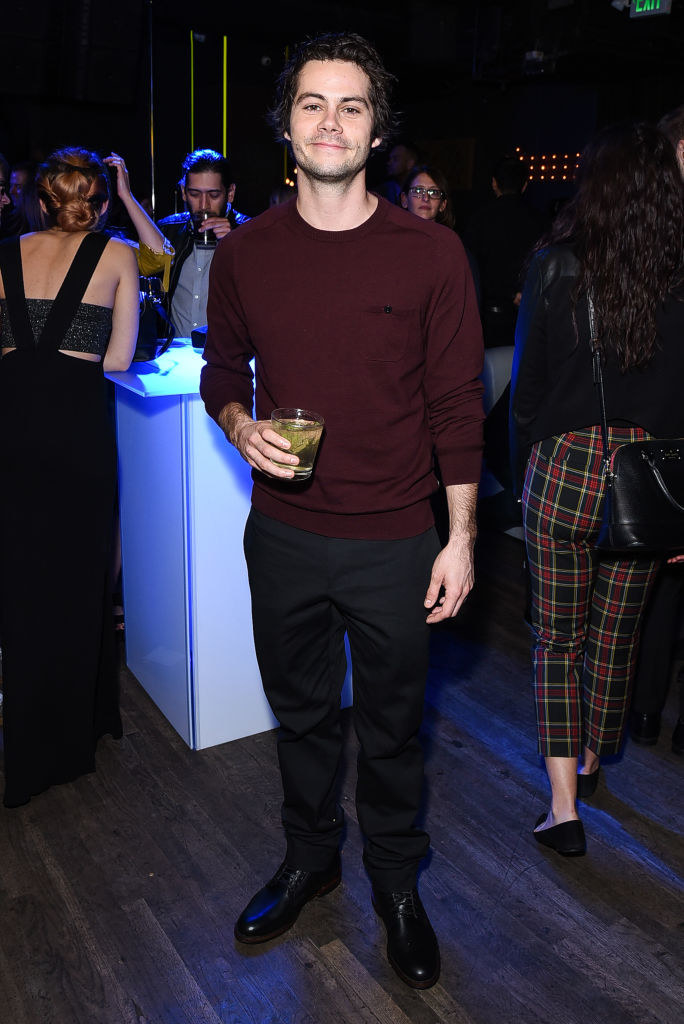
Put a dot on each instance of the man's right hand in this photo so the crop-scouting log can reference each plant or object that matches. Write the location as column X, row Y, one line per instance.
column 257, row 441
column 219, row 225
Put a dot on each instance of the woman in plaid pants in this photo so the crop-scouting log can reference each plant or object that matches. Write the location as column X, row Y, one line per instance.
column 621, row 239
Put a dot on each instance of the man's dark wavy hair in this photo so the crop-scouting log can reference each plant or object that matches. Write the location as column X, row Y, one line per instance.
column 511, row 174
column 206, row 160
column 626, row 224
column 346, row 46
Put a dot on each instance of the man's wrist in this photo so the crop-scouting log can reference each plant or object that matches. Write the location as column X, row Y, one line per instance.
column 462, row 537
column 232, row 418
column 462, row 502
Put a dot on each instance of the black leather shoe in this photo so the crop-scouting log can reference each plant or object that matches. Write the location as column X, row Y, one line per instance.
column 678, row 738
column 275, row 908
column 644, row 727
column 412, row 948
column 586, row 784
column 567, row 838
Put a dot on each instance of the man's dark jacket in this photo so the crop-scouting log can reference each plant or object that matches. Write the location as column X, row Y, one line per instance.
column 178, row 229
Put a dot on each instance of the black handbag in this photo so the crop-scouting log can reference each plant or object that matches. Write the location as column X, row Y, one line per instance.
column 643, row 511
column 155, row 329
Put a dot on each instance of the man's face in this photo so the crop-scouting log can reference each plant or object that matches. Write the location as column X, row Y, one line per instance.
column 331, row 121
column 399, row 162
column 204, row 191
column 18, row 181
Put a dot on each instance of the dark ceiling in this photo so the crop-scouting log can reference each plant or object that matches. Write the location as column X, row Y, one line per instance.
column 486, row 40
column 535, row 73
column 47, row 45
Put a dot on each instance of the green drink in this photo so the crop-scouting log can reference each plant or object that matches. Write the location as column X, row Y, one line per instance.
column 303, row 430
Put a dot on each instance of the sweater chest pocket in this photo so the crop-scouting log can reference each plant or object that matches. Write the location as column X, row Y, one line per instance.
column 382, row 333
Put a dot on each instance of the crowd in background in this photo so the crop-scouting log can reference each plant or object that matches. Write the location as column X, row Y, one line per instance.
column 499, row 238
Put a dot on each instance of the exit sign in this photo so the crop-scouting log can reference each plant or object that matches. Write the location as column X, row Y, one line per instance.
column 642, row 8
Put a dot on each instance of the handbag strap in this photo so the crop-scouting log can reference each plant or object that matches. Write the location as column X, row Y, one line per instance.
column 598, row 380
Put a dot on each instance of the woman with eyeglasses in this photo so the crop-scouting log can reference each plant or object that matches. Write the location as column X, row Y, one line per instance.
column 68, row 309
column 426, row 194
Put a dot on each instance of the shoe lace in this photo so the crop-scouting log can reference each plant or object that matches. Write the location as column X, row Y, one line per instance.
column 405, row 903
column 287, row 874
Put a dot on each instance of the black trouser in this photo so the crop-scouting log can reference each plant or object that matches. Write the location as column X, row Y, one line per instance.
column 307, row 590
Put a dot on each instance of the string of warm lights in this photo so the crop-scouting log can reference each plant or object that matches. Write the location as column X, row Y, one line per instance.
column 551, row 167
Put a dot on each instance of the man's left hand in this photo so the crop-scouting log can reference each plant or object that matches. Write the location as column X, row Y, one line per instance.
column 219, row 225
column 453, row 573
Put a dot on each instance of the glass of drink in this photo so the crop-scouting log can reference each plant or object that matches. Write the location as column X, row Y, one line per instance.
column 204, row 237
column 303, row 430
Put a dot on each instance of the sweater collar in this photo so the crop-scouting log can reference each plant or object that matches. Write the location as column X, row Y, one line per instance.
column 339, row 237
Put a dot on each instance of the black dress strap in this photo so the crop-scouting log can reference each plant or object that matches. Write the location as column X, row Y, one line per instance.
column 73, row 288
column 13, row 280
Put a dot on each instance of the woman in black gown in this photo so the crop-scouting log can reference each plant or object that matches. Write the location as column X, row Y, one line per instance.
column 68, row 310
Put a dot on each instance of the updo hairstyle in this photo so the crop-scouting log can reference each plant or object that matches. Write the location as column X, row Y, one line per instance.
column 74, row 186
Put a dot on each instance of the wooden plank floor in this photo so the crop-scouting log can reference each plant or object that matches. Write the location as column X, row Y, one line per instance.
column 119, row 892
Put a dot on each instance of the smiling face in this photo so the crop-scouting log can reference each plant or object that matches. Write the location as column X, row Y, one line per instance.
column 331, row 121
column 423, row 206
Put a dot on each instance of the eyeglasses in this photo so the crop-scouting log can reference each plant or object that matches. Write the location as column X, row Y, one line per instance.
column 432, row 193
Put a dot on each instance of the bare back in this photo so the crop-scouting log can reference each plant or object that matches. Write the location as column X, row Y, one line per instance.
column 46, row 257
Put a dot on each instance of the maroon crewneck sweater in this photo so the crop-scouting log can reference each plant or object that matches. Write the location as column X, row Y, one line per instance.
column 376, row 329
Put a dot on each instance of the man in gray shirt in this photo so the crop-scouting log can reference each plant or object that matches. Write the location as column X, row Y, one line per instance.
column 208, row 193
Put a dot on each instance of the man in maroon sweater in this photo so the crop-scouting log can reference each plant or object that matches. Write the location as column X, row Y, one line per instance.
column 356, row 309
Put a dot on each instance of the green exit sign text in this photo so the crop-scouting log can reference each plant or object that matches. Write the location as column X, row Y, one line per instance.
column 642, row 8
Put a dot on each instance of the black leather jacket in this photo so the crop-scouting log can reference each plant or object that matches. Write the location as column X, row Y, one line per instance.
column 178, row 229
column 552, row 388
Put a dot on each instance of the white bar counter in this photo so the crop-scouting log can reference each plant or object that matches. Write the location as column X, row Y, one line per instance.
column 184, row 497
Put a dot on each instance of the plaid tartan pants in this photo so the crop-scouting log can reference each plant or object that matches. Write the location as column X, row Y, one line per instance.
column 586, row 606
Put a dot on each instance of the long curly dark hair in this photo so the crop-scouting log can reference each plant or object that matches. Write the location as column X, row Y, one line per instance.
column 626, row 225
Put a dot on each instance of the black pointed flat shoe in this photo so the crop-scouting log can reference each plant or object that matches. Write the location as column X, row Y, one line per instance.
column 586, row 784
column 567, row 838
